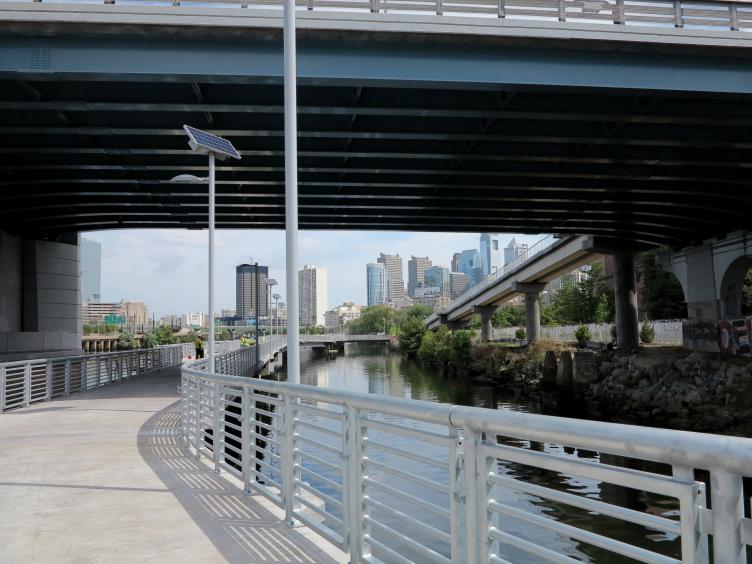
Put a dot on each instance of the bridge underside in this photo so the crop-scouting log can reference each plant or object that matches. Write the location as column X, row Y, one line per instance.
column 396, row 136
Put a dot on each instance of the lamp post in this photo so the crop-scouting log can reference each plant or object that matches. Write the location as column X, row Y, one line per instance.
column 205, row 143
column 269, row 283
column 276, row 311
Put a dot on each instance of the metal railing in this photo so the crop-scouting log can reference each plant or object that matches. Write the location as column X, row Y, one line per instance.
column 341, row 337
column 30, row 381
column 333, row 460
column 245, row 361
column 679, row 14
column 547, row 242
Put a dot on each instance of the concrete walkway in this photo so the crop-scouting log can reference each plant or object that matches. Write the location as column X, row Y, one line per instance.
column 101, row 477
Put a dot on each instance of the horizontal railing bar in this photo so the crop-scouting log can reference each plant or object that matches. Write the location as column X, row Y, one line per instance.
column 427, row 436
column 327, row 533
column 317, row 429
column 394, row 556
column 333, row 450
column 529, row 547
column 368, row 443
column 313, row 507
column 412, row 543
column 606, row 543
column 399, row 494
column 317, row 460
column 326, row 497
column 444, row 536
column 594, row 505
column 319, row 411
column 441, row 488
column 329, row 482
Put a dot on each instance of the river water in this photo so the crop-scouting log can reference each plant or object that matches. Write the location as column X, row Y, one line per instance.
column 372, row 368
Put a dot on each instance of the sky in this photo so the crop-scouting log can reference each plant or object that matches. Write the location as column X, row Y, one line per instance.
column 166, row 268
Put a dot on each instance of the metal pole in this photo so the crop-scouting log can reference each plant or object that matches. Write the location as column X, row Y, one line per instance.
column 257, row 307
column 291, row 196
column 210, row 348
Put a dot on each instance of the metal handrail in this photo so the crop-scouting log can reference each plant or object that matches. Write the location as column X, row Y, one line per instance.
column 731, row 15
column 24, row 382
column 277, row 452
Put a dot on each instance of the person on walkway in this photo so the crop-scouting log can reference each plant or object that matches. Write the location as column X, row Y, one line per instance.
column 199, row 348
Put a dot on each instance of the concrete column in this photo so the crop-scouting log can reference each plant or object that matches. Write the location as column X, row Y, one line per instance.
column 532, row 308
column 486, row 321
column 625, row 296
column 532, row 317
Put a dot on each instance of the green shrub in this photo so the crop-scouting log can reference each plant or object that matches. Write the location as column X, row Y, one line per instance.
column 583, row 334
column 520, row 334
column 411, row 334
column 647, row 333
column 613, row 334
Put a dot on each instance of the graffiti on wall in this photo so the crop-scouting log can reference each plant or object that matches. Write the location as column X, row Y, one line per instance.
column 735, row 336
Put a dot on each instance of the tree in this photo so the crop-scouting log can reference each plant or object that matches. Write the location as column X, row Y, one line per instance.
column 149, row 340
column 374, row 319
column 587, row 301
column 126, row 341
column 165, row 336
column 661, row 295
column 411, row 334
column 509, row 316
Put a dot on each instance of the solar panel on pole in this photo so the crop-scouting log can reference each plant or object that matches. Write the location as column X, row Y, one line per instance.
column 205, row 143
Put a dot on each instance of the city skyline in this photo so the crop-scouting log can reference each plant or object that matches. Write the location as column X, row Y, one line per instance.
column 167, row 268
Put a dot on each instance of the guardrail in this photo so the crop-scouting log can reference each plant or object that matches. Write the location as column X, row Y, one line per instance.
column 328, row 458
column 341, row 337
column 656, row 14
column 30, row 381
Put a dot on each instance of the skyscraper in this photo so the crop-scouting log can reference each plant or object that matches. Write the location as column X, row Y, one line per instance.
column 455, row 267
column 490, row 253
column 470, row 264
column 458, row 282
column 91, row 270
column 312, row 290
column 416, row 267
column 513, row 250
column 437, row 277
column 245, row 291
column 376, row 283
column 395, row 280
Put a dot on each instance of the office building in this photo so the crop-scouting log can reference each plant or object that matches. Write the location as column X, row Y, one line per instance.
column 437, row 277
column 342, row 315
column 470, row 264
column 312, row 294
column 458, row 283
column 513, row 250
column 395, row 280
column 490, row 253
column 194, row 320
column 136, row 314
column 95, row 313
column 91, row 270
column 431, row 296
column 245, row 291
column 455, row 266
column 416, row 267
column 375, row 284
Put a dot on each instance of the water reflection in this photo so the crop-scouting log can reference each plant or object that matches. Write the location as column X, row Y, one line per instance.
column 371, row 368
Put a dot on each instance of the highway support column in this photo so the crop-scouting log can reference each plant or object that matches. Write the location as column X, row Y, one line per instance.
column 625, row 298
column 532, row 308
column 486, row 321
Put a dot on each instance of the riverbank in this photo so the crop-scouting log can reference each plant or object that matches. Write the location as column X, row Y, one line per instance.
column 666, row 387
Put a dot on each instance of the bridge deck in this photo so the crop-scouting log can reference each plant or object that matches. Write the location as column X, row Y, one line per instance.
column 101, row 477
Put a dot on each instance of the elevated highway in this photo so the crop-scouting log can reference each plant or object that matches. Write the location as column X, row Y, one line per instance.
column 580, row 118
column 546, row 260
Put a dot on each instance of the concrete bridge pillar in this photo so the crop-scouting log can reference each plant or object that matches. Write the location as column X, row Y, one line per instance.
column 532, row 309
column 625, row 298
column 486, row 321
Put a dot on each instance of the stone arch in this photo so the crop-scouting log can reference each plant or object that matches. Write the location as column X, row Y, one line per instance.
column 731, row 287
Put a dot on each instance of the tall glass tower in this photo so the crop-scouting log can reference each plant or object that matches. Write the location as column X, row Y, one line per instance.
column 376, row 283
column 91, row 271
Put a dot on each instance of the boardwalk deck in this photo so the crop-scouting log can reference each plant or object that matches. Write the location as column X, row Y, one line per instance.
column 101, row 477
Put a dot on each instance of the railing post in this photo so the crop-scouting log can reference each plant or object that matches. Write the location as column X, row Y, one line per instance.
column 727, row 501
column 678, row 14
column 67, row 377
column 288, row 458
column 439, row 8
column 2, row 389
column 457, row 509
column 476, row 498
column 353, row 432
column 247, row 439
column 733, row 17
column 694, row 543
column 618, row 12
column 197, row 435
column 502, row 9
column 99, row 371
column 48, row 381
column 84, row 376
column 27, row 384
column 217, row 424
column 375, row 6
column 562, row 11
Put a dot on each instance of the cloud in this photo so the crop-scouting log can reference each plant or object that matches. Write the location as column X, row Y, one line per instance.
column 167, row 268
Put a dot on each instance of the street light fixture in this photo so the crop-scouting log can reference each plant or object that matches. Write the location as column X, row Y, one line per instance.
column 276, row 297
column 205, row 143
